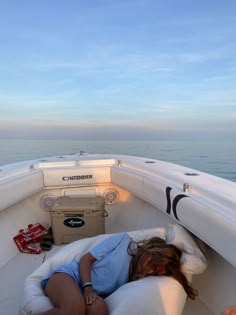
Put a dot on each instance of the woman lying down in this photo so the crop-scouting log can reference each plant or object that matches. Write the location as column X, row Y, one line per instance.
column 79, row 288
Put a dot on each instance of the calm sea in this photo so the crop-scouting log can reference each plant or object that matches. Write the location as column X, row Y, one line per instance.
column 214, row 157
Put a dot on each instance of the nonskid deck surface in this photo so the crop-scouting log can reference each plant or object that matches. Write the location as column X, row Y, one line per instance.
column 196, row 307
column 14, row 273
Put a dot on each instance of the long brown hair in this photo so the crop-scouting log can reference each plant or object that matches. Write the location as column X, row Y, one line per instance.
column 165, row 255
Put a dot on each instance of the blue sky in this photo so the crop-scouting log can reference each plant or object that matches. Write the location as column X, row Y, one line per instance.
column 142, row 69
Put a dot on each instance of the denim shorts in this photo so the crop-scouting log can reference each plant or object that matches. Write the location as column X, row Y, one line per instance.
column 72, row 269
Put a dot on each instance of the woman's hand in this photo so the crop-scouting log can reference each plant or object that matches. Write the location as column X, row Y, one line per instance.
column 89, row 295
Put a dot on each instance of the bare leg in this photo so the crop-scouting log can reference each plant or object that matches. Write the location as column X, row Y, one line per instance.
column 65, row 295
column 99, row 307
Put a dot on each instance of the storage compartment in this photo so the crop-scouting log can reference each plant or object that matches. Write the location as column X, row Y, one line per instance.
column 77, row 218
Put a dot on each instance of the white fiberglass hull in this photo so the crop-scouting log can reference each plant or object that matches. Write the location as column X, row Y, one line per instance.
column 150, row 193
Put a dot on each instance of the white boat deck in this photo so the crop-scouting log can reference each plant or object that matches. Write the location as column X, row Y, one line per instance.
column 14, row 273
column 13, row 276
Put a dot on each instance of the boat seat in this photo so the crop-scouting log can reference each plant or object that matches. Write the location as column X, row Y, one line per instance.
column 151, row 295
column 19, row 187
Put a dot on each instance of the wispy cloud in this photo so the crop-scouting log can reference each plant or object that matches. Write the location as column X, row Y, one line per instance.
column 104, row 63
column 144, row 62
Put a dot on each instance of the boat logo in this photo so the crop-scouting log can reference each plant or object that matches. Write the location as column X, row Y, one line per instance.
column 74, row 222
column 76, row 177
column 173, row 206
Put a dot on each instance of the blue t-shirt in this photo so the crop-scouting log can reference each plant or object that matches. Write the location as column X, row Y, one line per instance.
column 111, row 268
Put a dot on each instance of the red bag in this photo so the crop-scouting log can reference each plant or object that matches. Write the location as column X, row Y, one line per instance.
column 28, row 241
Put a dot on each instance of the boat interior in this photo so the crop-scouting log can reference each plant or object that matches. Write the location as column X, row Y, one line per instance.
column 130, row 200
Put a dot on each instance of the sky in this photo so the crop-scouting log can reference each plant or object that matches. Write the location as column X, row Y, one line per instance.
column 126, row 69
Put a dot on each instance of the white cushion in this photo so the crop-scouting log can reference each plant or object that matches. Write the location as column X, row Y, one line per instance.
column 148, row 233
column 151, row 296
column 34, row 301
column 192, row 260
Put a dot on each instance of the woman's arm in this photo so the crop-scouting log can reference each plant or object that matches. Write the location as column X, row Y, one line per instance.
column 85, row 267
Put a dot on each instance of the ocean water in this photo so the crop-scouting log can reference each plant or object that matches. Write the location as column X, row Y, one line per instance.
column 214, row 157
